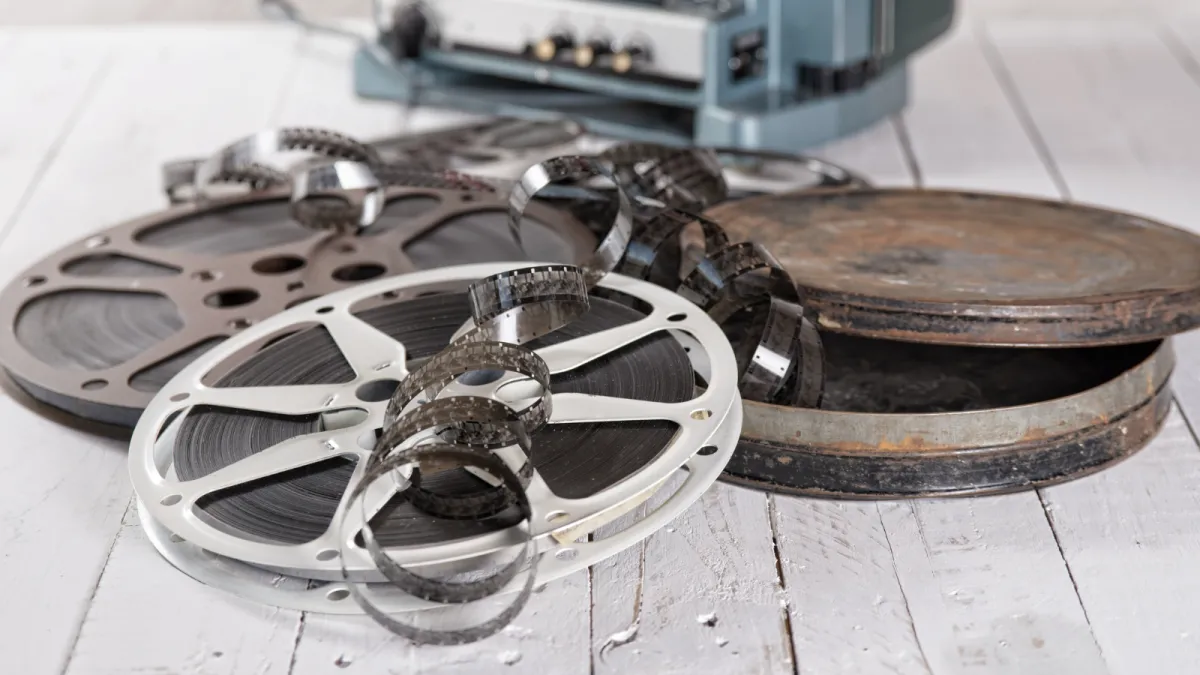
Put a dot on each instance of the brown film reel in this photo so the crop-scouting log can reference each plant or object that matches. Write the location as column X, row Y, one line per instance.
column 99, row 326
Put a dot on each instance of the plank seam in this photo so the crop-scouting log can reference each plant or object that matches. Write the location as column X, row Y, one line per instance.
column 8, row 42
column 78, row 629
column 300, row 623
column 1070, row 574
column 60, row 140
column 887, row 538
column 1187, row 421
column 1185, row 57
column 591, row 582
column 1004, row 78
column 788, row 633
column 628, row 635
column 906, row 147
column 289, row 78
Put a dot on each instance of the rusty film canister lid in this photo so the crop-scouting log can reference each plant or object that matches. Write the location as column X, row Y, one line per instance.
column 977, row 269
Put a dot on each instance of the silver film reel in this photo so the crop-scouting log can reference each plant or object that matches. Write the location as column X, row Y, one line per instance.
column 643, row 385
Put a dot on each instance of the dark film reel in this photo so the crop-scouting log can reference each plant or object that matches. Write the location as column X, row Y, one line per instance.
column 99, row 326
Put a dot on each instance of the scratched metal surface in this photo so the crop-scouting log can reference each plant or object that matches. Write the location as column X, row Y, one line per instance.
column 971, row 268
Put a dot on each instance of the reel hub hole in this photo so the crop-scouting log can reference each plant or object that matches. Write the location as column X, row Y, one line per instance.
column 231, row 297
column 278, row 264
column 522, row 391
column 376, row 390
column 478, row 378
column 359, row 272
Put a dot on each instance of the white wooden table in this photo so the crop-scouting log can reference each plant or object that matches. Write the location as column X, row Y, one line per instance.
column 1096, row 576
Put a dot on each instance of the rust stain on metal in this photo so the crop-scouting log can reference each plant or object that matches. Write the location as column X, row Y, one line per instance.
column 1035, row 434
column 972, row 268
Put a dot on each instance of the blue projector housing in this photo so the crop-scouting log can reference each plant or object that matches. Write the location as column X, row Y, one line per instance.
column 778, row 75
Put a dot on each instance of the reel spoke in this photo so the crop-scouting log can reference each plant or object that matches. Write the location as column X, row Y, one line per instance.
column 279, row 458
column 112, row 284
column 365, row 348
column 374, row 498
column 578, row 352
column 576, row 408
column 296, row 399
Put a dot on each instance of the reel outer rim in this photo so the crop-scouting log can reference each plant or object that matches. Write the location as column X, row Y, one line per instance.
column 150, row 485
column 702, row 472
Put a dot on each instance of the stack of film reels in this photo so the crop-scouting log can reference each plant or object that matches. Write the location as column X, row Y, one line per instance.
column 420, row 373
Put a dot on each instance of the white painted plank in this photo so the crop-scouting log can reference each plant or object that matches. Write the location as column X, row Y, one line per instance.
column 709, row 598
column 987, row 587
column 149, row 617
column 1072, row 10
column 848, row 612
column 62, row 494
column 66, row 500
column 1131, row 537
column 549, row 636
column 38, row 107
column 874, row 152
column 320, row 92
column 962, row 129
column 57, row 500
column 1117, row 112
column 171, row 93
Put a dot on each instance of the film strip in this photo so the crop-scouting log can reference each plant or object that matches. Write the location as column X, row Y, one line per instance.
column 338, row 184
column 508, row 311
column 654, row 194
column 513, row 308
column 740, row 285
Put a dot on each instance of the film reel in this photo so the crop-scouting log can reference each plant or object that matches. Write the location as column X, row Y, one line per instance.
column 614, row 366
column 98, row 326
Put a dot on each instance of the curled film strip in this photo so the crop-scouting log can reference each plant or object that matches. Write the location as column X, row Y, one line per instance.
column 339, row 183
column 625, row 417
column 508, row 310
column 506, row 147
column 513, row 308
